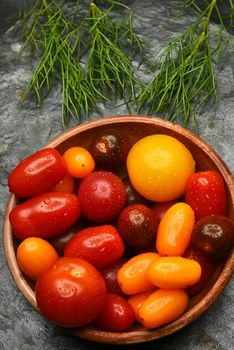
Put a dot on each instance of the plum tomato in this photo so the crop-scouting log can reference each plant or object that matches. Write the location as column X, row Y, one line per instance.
column 175, row 230
column 117, row 315
column 137, row 300
column 102, row 196
column 71, row 292
column 214, row 235
column 37, row 173
column 110, row 275
column 45, row 216
column 132, row 276
column 67, row 184
column 151, row 162
column 110, row 149
column 163, row 306
column 207, row 268
column 159, row 209
column 79, row 162
column 133, row 197
column 100, row 245
column 206, row 194
column 35, row 255
column 137, row 226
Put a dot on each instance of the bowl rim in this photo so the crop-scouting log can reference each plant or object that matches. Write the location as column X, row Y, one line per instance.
column 128, row 337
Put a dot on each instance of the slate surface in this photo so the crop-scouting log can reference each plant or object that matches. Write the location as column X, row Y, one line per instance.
column 26, row 128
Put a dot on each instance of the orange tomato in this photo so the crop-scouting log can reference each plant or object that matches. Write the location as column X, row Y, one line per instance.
column 137, row 300
column 174, row 272
column 163, row 306
column 175, row 230
column 79, row 162
column 159, row 167
column 132, row 276
column 34, row 255
column 67, row 184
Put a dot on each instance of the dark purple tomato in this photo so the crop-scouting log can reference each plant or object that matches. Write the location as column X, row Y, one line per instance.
column 159, row 209
column 110, row 149
column 117, row 315
column 214, row 235
column 137, row 226
column 110, row 275
column 38, row 173
column 102, row 196
column 133, row 197
column 45, row 216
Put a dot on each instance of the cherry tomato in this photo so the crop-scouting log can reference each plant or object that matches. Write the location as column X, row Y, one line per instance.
column 45, row 216
column 35, row 255
column 207, row 268
column 214, row 235
column 137, row 226
column 163, row 306
column 174, row 272
column 79, row 162
column 67, row 184
column 132, row 276
column 159, row 167
column 37, row 173
column 100, row 245
column 102, row 196
column 116, row 315
column 137, row 300
column 159, row 209
column 110, row 275
column 175, row 230
column 110, row 149
column 133, row 197
column 71, row 292
column 206, row 194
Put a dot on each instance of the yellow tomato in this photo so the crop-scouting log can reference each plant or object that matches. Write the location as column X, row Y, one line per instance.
column 159, row 167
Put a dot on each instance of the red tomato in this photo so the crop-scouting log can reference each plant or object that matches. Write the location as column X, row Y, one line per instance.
column 45, row 216
column 71, row 292
column 116, row 315
column 67, row 184
column 159, row 209
column 207, row 266
column 205, row 193
column 102, row 196
column 100, row 245
column 38, row 173
column 110, row 275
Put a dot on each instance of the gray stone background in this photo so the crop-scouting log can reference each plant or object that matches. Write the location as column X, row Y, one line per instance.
column 26, row 128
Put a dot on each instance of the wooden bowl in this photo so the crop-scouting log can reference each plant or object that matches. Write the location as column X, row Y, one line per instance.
column 206, row 158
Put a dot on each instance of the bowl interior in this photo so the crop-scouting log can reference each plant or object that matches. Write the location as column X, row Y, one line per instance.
column 136, row 127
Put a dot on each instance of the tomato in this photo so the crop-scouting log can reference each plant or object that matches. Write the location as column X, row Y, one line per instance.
column 79, row 162
column 110, row 275
column 159, row 209
column 207, row 268
column 102, row 196
column 175, row 230
column 67, row 184
column 174, row 272
column 137, row 300
column 133, row 197
column 116, row 315
column 206, row 194
column 100, row 245
column 35, row 255
column 132, row 276
column 137, row 226
column 71, row 292
column 45, row 216
column 37, row 173
column 163, row 306
column 159, row 167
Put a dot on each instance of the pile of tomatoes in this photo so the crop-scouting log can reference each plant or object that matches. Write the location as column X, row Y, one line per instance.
column 111, row 249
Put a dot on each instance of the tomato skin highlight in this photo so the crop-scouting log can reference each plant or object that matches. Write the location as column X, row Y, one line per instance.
column 37, row 173
column 117, row 315
column 71, row 292
column 100, row 245
column 45, row 216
